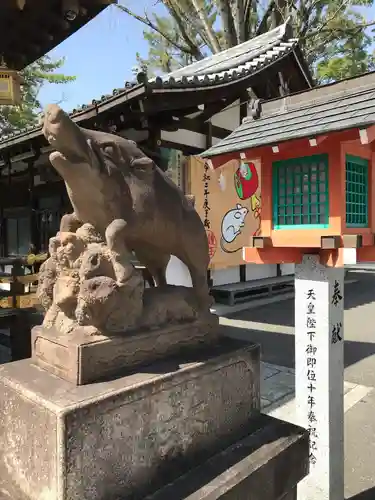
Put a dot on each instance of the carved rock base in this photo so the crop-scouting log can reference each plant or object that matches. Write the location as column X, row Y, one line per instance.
column 124, row 438
column 81, row 358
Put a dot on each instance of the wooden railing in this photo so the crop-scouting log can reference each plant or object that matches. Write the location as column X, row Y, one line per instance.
column 18, row 313
column 22, row 286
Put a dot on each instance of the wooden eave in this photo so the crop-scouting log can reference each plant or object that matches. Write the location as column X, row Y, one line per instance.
column 154, row 101
column 309, row 144
column 29, row 33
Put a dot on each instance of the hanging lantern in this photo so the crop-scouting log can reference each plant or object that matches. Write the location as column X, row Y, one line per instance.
column 10, row 87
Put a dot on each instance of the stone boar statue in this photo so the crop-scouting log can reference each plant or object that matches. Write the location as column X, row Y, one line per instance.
column 107, row 178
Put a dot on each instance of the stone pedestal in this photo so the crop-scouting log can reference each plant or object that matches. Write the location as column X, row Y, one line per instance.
column 83, row 359
column 127, row 437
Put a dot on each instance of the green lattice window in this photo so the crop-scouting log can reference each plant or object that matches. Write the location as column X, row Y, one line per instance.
column 356, row 192
column 300, row 193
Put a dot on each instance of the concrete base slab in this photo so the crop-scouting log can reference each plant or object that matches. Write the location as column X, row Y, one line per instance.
column 126, row 437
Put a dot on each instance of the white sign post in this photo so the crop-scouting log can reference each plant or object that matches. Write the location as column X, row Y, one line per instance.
column 319, row 355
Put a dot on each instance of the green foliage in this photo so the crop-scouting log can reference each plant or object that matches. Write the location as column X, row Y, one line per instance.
column 343, row 48
column 334, row 34
column 34, row 76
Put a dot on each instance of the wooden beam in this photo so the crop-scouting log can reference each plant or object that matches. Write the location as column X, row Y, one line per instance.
column 261, row 242
column 352, row 240
column 282, row 147
column 370, row 135
column 273, row 255
column 330, row 242
column 363, row 137
column 317, row 141
column 213, row 108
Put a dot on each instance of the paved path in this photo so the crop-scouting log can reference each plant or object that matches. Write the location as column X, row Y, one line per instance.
column 277, row 392
column 272, row 325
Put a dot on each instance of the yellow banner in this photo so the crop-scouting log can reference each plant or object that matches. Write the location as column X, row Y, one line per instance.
column 229, row 204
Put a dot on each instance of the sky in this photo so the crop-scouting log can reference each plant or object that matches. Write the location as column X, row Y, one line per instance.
column 102, row 53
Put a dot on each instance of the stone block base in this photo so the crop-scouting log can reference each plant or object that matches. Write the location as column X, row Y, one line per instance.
column 127, row 437
column 82, row 359
column 266, row 465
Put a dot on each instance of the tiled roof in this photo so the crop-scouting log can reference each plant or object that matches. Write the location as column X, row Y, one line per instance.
column 230, row 65
column 234, row 63
column 78, row 114
column 340, row 106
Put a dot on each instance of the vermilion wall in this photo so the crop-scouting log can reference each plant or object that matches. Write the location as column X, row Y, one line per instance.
column 303, row 237
column 336, row 149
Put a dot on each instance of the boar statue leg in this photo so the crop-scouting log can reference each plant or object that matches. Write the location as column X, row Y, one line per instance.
column 156, row 267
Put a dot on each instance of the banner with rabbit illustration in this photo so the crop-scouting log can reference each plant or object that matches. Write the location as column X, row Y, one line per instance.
column 229, row 204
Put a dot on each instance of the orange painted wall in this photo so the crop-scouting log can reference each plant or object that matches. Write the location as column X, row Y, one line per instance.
column 336, row 146
column 336, row 152
column 302, row 237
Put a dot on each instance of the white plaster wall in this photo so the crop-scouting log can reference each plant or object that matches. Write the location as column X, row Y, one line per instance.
column 186, row 137
column 225, row 276
column 260, row 271
column 229, row 118
column 134, row 135
column 287, row 269
column 178, row 273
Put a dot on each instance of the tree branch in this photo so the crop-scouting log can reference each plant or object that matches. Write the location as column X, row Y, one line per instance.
column 328, row 19
column 194, row 48
column 147, row 22
column 355, row 30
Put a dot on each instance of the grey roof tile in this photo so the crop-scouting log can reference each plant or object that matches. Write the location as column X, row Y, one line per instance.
column 232, row 63
column 344, row 105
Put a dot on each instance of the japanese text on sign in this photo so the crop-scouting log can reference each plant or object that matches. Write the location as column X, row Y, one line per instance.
column 206, row 207
column 311, row 368
column 336, row 328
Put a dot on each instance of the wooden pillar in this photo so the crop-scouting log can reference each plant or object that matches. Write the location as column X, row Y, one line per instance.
column 20, row 335
column 244, row 105
column 8, row 163
column 208, row 126
column 2, row 221
column 34, row 233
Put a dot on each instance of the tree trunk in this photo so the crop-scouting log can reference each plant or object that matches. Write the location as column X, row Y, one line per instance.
column 278, row 15
column 263, row 25
column 238, row 14
column 228, row 25
column 210, row 33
